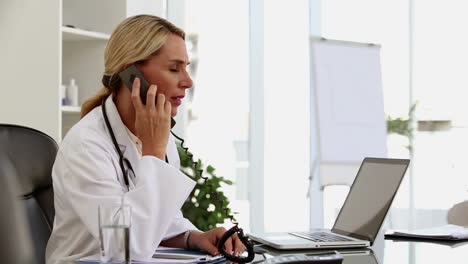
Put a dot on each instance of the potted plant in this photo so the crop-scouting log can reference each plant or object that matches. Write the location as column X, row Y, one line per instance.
column 206, row 205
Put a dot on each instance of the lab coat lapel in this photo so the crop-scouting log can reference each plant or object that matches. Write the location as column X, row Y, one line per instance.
column 126, row 145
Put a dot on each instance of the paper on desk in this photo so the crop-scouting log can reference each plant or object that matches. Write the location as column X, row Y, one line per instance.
column 167, row 255
column 447, row 232
column 184, row 256
column 95, row 260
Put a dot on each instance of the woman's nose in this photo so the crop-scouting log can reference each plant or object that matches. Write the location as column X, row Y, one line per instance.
column 187, row 82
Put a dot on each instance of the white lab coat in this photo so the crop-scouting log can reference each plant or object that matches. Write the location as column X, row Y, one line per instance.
column 86, row 173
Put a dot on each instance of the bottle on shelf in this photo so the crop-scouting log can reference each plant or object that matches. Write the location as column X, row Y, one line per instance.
column 63, row 95
column 72, row 93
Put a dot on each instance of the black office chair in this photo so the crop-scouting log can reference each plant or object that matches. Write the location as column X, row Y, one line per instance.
column 15, row 236
column 27, row 156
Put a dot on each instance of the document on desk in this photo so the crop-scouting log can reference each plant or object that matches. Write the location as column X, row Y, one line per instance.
column 164, row 255
column 446, row 232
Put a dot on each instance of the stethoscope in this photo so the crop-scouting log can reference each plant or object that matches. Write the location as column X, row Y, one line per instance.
column 123, row 162
column 129, row 172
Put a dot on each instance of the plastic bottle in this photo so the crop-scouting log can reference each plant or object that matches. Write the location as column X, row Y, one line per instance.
column 63, row 95
column 72, row 93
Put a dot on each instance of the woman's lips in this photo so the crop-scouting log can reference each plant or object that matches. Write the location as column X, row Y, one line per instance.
column 177, row 100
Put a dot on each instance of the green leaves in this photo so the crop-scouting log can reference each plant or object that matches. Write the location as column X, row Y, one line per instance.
column 205, row 205
column 401, row 126
column 398, row 126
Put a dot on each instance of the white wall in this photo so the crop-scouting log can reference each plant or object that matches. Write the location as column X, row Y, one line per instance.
column 153, row 7
column 30, row 45
column 286, row 86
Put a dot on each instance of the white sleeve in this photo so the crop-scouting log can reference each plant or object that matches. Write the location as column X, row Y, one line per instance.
column 179, row 225
column 91, row 179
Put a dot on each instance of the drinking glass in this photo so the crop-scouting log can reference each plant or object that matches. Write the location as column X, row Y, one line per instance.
column 114, row 233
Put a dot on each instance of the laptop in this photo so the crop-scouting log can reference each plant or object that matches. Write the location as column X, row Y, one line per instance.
column 361, row 215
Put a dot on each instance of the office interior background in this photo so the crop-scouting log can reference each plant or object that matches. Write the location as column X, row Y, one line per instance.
column 248, row 113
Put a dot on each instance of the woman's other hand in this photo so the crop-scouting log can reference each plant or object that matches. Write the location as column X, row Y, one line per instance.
column 207, row 241
column 152, row 121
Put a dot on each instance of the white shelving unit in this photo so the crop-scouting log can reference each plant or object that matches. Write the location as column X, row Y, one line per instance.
column 85, row 30
column 71, row 109
column 76, row 34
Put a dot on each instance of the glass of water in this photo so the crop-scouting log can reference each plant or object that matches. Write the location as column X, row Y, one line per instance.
column 114, row 233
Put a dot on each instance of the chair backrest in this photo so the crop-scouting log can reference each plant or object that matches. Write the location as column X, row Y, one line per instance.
column 27, row 156
column 15, row 235
column 458, row 214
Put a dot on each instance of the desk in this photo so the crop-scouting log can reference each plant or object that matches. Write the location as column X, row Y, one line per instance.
column 398, row 252
column 390, row 252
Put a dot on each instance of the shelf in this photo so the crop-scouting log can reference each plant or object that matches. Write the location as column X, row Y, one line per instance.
column 71, row 109
column 434, row 125
column 76, row 34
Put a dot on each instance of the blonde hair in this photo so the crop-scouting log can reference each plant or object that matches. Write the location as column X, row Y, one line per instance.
column 134, row 40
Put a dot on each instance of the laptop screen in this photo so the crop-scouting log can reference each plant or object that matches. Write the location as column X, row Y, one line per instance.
column 370, row 197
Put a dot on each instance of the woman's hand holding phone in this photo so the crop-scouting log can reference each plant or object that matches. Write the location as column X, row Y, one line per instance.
column 152, row 121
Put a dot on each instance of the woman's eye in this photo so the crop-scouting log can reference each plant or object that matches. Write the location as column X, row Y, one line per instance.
column 174, row 69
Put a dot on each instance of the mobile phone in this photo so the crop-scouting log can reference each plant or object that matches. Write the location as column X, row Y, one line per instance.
column 128, row 76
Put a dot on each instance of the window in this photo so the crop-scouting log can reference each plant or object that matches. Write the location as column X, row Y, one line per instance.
column 385, row 23
column 218, row 115
column 218, row 125
column 439, row 80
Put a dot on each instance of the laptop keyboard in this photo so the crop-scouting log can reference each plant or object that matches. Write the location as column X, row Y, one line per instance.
column 320, row 237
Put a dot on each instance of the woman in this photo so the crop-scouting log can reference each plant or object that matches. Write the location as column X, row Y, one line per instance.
column 88, row 172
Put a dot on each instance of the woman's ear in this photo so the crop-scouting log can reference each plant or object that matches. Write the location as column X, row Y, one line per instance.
column 125, row 67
